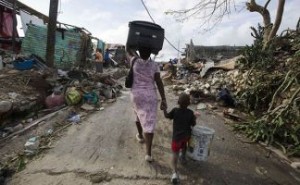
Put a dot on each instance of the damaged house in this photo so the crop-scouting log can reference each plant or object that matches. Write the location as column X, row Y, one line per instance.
column 73, row 47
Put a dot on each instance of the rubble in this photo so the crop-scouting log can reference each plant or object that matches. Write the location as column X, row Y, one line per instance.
column 5, row 106
column 33, row 101
column 201, row 106
column 32, row 93
column 263, row 84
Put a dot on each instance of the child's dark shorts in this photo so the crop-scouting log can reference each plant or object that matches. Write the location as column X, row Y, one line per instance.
column 179, row 144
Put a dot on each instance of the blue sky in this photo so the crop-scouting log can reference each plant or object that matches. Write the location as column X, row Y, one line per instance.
column 108, row 20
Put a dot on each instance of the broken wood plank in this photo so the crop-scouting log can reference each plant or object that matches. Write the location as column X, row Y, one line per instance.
column 36, row 122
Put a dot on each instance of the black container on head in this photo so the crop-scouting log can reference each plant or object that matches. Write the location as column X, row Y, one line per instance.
column 144, row 34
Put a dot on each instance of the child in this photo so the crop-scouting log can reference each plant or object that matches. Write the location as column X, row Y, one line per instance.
column 183, row 120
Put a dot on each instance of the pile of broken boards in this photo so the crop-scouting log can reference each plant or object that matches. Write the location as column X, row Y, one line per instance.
column 30, row 94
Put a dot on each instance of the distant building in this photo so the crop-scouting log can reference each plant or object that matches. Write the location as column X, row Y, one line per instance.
column 216, row 53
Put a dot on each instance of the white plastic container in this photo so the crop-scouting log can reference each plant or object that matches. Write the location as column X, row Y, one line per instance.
column 200, row 142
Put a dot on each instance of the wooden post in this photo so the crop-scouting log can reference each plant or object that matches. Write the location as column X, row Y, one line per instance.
column 51, row 33
column 14, row 26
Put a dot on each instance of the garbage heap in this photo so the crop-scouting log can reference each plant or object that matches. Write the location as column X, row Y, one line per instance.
column 264, row 83
column 205, row 79
column 31, row 92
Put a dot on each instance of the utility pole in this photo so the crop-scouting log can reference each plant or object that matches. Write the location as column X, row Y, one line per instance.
column 14, row 26
column 51, row 33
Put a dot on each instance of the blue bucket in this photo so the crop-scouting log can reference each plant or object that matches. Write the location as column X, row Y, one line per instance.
column 23, row 65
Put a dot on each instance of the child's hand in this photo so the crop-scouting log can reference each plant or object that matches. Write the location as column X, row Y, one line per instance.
column 197, row 114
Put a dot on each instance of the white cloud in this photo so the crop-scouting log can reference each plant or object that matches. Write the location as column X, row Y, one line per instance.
column 92, row 15
column 117, row 35
column 65, row 1
column 229, row 35
column 108, row 20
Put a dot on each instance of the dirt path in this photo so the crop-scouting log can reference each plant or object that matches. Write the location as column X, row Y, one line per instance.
column 103, row 150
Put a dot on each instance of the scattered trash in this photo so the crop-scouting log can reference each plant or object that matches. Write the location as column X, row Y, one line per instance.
column 91, row 98
column 261, row 170
column 62, row 73
column 13, row 95
column 5, row 106
column 74, row 117
column 87, row 107
column 32, row 146
column 54, row 100
column 49, row 132
column 73, row 96
column 108, row 93
column 201, row 106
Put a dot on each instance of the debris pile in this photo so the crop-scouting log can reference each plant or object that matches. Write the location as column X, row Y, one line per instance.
column 193, row 80
column 27, row 94
column 37, row 103
column 263, row 83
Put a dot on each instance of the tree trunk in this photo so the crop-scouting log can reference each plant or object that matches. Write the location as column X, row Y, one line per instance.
column 270, row 30
column 277, row 22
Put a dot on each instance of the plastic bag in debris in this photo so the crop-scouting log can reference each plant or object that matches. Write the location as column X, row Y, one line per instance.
column 54, row 100
column 91, row 98
column 73, row 97
column 32, row 145
column 62, row 73
column 74, row 117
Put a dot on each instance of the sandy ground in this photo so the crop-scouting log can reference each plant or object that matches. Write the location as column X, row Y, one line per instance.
column 103, row 150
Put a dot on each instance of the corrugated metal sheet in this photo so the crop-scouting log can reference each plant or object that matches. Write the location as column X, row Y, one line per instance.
column 101, row 45
column 68, row 45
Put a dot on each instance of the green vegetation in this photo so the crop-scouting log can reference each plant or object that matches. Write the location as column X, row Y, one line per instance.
column 272, row 91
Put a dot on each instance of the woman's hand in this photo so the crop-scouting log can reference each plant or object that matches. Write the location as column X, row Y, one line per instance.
column 163, row 104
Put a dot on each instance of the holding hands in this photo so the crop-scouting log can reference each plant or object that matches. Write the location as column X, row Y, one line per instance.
column 163, row 104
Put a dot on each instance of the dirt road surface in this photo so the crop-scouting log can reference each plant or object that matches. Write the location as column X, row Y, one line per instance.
column 103, row 150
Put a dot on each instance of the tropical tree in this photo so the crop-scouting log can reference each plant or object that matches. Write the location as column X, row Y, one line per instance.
column 213, row 11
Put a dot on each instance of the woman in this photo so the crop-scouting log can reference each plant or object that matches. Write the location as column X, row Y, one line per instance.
column 144, row 97
column 99, row 61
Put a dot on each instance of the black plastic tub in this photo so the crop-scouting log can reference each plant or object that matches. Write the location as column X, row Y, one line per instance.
column 145, row 34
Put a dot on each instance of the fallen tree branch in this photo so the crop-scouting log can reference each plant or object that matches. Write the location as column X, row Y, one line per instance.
column 277, row 91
